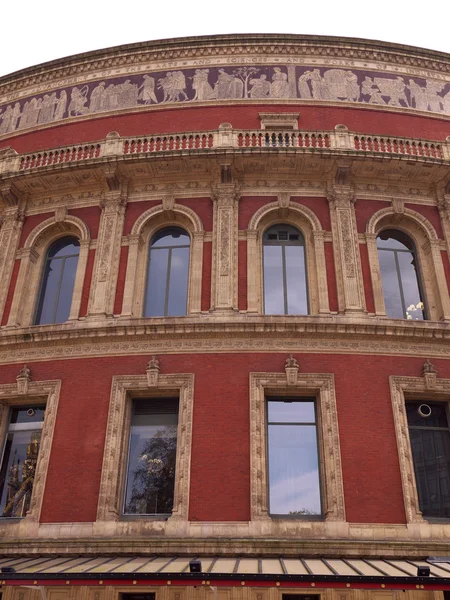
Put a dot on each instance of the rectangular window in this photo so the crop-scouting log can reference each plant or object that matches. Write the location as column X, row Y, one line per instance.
column 150, row 481
column 429, row 433
column 293, row 457
column 20, row 454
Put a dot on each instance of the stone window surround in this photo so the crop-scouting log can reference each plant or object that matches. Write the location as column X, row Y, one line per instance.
column 34, row 392
column 321, row 386
column 145, row 227
column 431, row 269
column 307, row 222
column 32, row 263
column 125, row 388
column 429, row 388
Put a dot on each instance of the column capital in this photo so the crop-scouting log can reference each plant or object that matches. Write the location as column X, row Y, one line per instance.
column 225, row 194
column 341, row 196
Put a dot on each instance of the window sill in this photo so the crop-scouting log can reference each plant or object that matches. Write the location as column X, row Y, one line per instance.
column 164, row 517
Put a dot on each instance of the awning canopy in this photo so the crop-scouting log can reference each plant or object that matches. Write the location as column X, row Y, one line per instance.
column 221, row 571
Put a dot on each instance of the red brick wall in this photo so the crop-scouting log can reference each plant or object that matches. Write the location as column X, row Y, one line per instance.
column 201, row 118
column 220, row 476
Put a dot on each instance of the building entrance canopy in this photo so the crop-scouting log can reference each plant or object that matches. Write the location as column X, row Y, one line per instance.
column 228, row 571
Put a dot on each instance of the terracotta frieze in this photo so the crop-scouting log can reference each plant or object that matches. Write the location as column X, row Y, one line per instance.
column 159, row 86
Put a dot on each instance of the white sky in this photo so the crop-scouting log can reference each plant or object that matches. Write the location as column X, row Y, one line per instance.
column 34, row 31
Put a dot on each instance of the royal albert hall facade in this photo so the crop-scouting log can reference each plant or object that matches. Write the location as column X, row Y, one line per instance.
column 225, row 311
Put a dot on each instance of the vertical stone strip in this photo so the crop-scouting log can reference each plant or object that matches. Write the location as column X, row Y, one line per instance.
column 10, row 231
column 225, row 246
column 375, row 274
column 107, row 257
column 346, row 249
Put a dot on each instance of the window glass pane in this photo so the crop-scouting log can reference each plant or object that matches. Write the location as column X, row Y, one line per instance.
column 49, row 293
column 55, row 298
column 395, row 240
column 67, row 246
column 296, row 280
column 152, row 458
column 414, row 306
column 18, row 471
column 28, row 414
column 291, row 412
column 293, row 470
column 66, row 289
column 156, row 283
column 391, row 285
column 431, row 456
column 273, row 281
column 170, row 237
column 437, row 418
column 178, row 282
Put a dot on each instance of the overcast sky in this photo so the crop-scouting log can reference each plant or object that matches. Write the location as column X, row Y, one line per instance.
column 34, row 31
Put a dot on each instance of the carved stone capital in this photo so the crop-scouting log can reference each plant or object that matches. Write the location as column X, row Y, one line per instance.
column 9, row 194
column 341, row 196
column 225, row 194
column 114, row 178
column 443, row 204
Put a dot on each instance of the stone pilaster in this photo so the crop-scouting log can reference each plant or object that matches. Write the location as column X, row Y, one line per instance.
column 443, row 203
column 107, row 256
column 10, row 230
column 346, row 249
column 225, row 247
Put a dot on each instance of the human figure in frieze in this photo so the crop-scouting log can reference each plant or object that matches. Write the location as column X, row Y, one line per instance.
column 61, row 104
column 303, row 86
column 418, row 96
column 228, row 86
column 368, row 88
column 97, row 99
column 15, row 116
column 432, row 89
column 260, row 87
column 279, row 87
column 6, row 118
column 147, row 90
column 78, row 100
column 200, row 83
column 128, row 94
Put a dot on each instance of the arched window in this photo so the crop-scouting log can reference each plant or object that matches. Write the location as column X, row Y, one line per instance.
column 400, row 276
column 60, row 267
column 284, row 269
column 167, row 274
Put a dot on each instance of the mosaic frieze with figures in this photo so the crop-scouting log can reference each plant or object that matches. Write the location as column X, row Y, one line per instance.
column 215, row 84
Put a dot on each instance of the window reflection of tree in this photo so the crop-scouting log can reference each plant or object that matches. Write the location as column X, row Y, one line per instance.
column 154, row 478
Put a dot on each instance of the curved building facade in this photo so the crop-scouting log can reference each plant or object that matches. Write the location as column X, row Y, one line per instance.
column 224, row 308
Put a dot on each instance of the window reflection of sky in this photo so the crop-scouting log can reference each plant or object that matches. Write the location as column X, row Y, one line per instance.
column 294, row 486
column 398, row 275
column 167, row 274
column 285, row 289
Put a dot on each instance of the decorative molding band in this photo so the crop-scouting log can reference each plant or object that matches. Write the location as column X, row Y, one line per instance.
column 172, row 336
column 124, row 389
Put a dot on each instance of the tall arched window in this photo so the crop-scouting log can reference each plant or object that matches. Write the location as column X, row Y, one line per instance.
column 55, row 296
column 284, row 269
column 167, row 274
column 400, row 276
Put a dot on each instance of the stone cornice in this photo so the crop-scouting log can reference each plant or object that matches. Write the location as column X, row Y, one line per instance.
column 224, row 546
column 235, row 45
column 243, row 333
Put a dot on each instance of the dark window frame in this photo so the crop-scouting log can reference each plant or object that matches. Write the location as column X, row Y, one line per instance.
column 132, row 402
column 13, row 428
column 417, row 269
column 431, row 402
column 43, row 280
column 158, row 234
column 291, row 230
column 282, row 398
